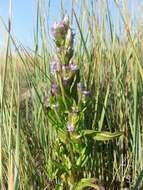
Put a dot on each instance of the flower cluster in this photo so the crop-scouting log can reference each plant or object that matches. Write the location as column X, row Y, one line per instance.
column 65, row 73
column 70, row 128
column 64, row 38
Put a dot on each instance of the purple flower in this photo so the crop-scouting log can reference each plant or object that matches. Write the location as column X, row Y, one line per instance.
column 74, row 110
column 73, row 68
column 55, row 67
column 70, row 128
column 85, row 93
column 65, row 80
column 79, row 87
column 46, row 101
column 54, row 88
column 56, row 106
column 45, row 98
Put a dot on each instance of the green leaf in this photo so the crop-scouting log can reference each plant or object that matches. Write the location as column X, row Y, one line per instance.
column 82, row 157
column 86, row 183
column 62, row 136
column 97, row 135
column 105, row 136
column 103, row 110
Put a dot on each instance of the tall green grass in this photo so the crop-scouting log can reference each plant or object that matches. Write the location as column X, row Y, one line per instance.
column 110, row 63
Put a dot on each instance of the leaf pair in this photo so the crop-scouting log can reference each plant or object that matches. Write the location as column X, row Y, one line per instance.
column 97, row 135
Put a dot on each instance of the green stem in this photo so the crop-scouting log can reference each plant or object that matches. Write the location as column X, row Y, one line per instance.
column 73, row 174
column 62, row 90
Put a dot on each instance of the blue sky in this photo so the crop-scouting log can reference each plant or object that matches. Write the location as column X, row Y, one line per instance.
column 24, row 13
column 23, row 19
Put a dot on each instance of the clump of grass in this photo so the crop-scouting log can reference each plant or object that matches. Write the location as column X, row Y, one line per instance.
column 110, row 67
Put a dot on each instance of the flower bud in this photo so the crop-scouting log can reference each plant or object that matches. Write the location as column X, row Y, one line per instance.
column 70, row 128
column 74, row 110
column 69, row 38
column 66, row 21
column 56, row 106
column 85, row 93
column 59, row 32
column 79, row 87
column 55, row 67
column 68, row 54
column 73, row 68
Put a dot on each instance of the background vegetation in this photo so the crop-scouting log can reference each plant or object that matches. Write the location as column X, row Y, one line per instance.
column 109, row 57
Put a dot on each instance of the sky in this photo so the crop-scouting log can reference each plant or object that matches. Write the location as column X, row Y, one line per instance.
column 23, row 19
column 24, row 14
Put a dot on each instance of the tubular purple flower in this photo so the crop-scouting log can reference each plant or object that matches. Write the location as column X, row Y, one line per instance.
column 54, row 88
column 79, row 87
column 56, row 106
column 55, row 67
column 46, row 101
column 74, row 110
column 45, row 98
column 70, row 128
column 73, row 68
column 85, row 93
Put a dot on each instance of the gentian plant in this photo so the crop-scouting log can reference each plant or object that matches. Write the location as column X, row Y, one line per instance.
column 66, row 104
